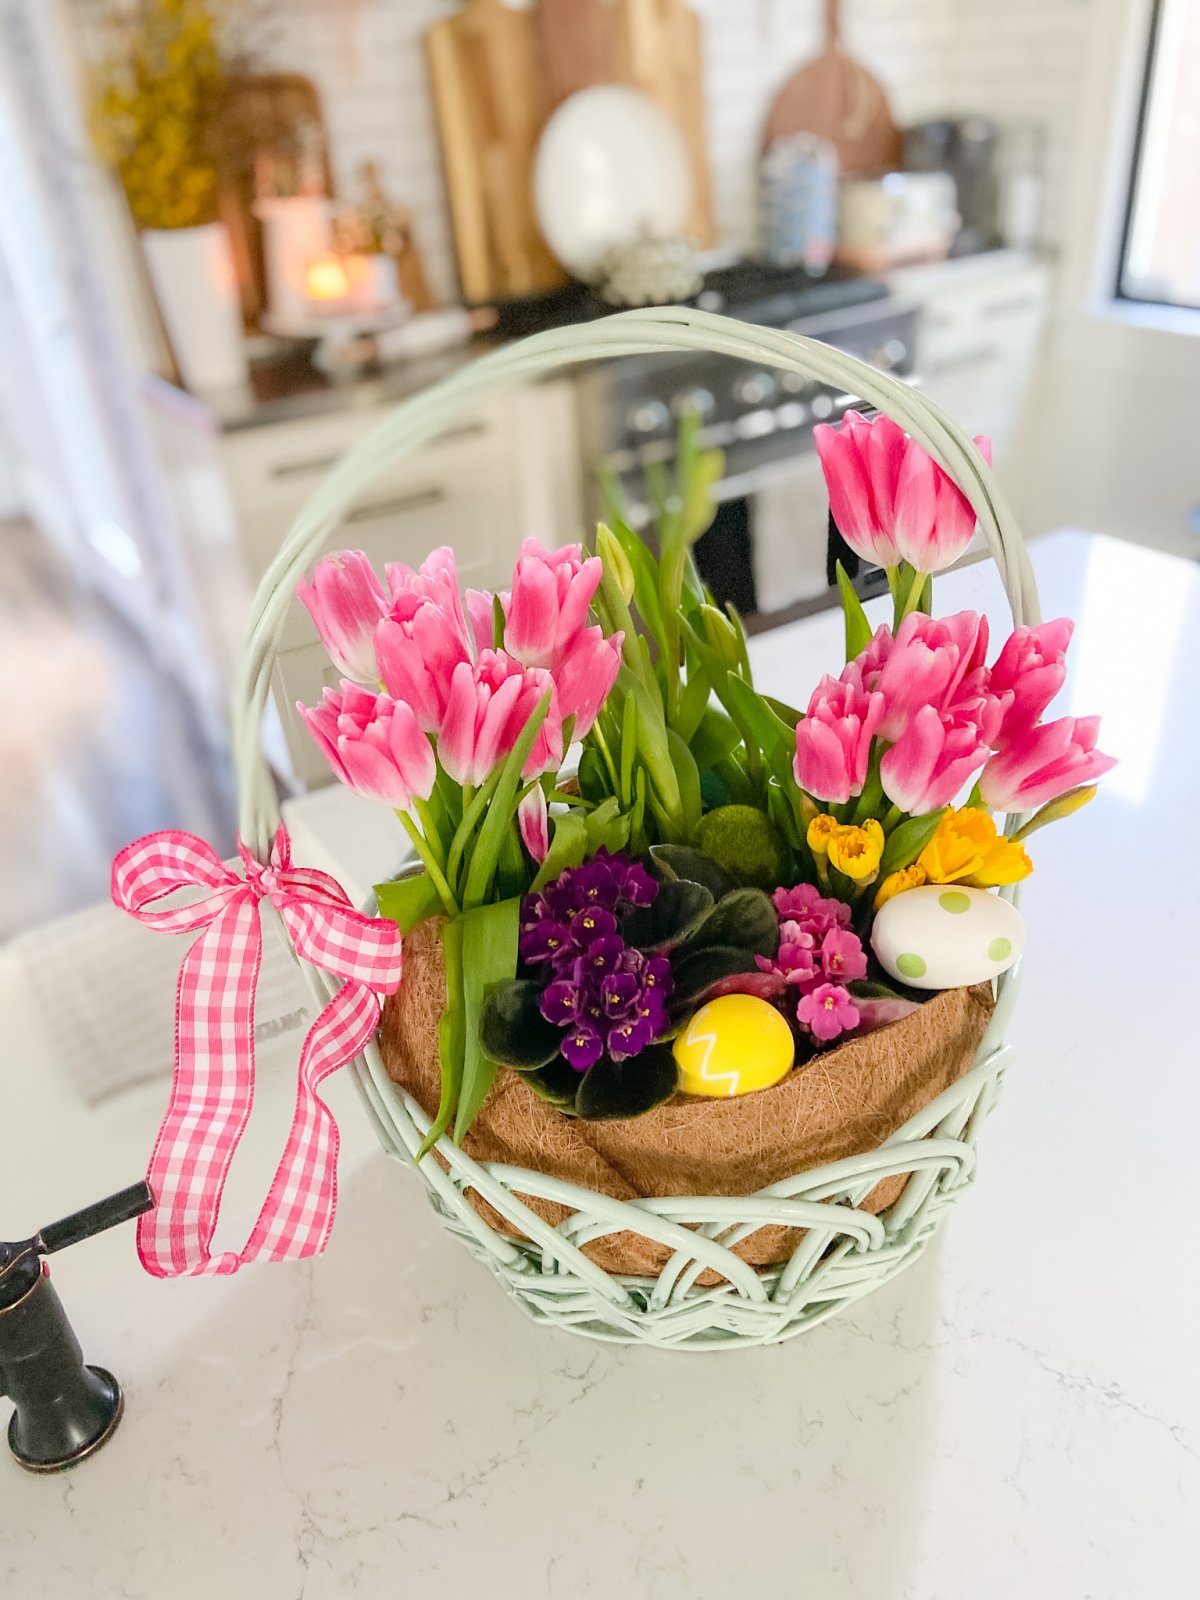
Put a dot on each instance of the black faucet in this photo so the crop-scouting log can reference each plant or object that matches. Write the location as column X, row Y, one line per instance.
column 64, row 1409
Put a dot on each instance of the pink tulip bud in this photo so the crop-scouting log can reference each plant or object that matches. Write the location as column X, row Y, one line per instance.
column 419, row 646
column 585, row 674
column 932, row 662
column 489, row 704
column 833, row 743
column 374, row 745
column 346, row 601
column 533, row 819
column 889, row 498
column 481, row 609
column 1042, row 763
column 932, row 759
column 1029, row 672
column 548, row 606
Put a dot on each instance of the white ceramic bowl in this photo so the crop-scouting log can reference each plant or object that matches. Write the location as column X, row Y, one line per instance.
column 611, row 166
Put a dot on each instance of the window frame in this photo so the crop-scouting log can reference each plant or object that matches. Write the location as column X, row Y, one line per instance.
column 1122, row 294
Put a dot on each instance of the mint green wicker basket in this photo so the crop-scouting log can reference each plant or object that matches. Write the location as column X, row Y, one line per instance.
column 844, row 1252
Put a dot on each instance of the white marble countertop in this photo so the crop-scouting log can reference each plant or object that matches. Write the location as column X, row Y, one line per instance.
column 1020, row 1413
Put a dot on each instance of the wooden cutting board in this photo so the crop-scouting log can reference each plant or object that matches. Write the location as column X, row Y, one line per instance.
column 835, row 97
column 492, row 99
column 657, row 48
column 497, row 73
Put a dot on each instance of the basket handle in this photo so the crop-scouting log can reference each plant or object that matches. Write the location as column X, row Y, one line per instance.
column 651, row 332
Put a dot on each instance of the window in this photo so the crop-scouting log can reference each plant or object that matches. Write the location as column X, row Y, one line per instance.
column 1161, row 254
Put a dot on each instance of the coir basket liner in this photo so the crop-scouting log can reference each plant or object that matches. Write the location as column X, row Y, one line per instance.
column 845, row 1102
column 781, row 1208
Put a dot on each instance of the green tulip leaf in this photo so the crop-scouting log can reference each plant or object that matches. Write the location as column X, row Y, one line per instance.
column 568, row 846
column 408, row 900
column 614, row 1090
column 858, row 629
column 489, row 958
column 907, row 840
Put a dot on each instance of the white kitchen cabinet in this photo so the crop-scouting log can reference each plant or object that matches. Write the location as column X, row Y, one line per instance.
column 979, row 329
column 508, row 471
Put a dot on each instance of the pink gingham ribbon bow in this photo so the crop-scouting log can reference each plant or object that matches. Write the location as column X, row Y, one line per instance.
column 213, row 1087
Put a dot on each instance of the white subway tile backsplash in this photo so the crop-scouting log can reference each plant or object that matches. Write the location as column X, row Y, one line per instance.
column 1002, row 58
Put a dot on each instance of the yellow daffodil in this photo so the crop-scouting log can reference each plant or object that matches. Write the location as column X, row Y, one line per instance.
column 856, row 851
column 967, row 849
column 896, row 882
column 820, row 830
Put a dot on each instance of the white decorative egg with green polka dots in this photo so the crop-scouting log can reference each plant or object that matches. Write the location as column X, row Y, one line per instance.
column 942, row 936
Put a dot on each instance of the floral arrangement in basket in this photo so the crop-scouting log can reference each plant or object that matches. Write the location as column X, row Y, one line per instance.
column 724, row 888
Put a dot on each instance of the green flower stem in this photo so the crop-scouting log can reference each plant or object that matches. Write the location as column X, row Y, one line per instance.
column 606, row 754
column 912, row 599
column 474, row 805
column 893, row 816
column 437, row 876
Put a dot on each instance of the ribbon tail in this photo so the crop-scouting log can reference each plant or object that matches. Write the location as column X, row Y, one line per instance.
column 298, row 1213
column 212, row 1092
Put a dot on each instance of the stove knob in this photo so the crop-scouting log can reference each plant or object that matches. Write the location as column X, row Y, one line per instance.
column 754, row 389
column 648, row 417
column 702, row 401
column 822, row 406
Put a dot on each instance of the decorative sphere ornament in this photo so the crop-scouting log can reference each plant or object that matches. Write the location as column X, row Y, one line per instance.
column 734, row 1045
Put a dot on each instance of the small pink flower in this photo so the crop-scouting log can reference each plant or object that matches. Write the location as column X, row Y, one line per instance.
column 1043, row 762
column 548, row 606
column 584, row 675
column 489, row 703
column 806, row 905
column 833, row 743
column 797, row 960
column 932, row 759
column 842, row 956
column 533, row 819
column 827, row 1012
column 1029, row 672
column 373, row 744
column 346, row 601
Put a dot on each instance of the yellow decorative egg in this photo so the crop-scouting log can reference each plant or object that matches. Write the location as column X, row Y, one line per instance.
column 734, row 1045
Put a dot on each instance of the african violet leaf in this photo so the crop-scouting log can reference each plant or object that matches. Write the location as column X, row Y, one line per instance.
column 878, row 1005
column 677, row 910
column 556, row 1082
column 682, row 861
column 694, row 974
column 744, row 918
column 513, row 1030
column 612, row 1090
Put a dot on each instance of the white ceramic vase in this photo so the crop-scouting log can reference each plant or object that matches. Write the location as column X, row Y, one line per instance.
column 193, row 275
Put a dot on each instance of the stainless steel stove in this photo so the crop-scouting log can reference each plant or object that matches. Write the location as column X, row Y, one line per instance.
column 769, row 549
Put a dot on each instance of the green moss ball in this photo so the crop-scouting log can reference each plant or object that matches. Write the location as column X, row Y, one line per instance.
column 743, row 841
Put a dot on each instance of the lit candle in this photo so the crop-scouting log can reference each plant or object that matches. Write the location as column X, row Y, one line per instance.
column 326, row 280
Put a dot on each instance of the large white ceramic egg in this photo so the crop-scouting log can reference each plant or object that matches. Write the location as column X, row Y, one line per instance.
column 942, row 936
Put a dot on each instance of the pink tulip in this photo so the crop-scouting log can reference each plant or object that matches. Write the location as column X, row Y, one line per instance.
column 548, row 606
column 418, row 647
column 848, row 478
column 346, row 600
column 932, row 759
column 533, row 819
column 833, row 743
column 481, row 610
column 1043, row 762
column 436, row 579
column 932, row 662
column 1029, row 672
column 585, row 674
column 490, row 702
column 373, row 744
column 889, row 498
